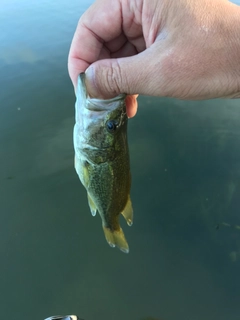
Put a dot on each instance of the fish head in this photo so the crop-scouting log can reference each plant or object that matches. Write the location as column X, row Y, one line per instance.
column 106, row 122
column 101, row 124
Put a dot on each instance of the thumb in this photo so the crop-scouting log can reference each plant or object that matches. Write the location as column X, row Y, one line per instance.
column 108, row 78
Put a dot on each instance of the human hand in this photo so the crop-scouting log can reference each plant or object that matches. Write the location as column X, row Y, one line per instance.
column 185, row 49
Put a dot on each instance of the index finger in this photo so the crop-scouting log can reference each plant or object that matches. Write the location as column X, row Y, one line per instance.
column 100, row 23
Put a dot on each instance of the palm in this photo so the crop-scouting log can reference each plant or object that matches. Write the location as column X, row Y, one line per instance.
column 122, row 46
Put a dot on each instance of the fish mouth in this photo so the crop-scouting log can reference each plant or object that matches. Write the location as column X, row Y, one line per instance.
column 94, row 104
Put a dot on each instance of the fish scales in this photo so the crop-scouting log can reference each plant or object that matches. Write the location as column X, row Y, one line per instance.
column 102, row 160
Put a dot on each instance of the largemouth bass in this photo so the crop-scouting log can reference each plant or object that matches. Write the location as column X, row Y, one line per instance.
column 102, row 160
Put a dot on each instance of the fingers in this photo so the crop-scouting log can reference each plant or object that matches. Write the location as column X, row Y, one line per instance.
column 85, row 49
column 131, row 105
column 138, row 74
column 101, row 23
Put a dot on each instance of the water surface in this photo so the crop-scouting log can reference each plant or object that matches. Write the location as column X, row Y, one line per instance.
column 185, row 160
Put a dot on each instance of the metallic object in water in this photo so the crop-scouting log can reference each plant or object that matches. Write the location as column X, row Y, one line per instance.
column 72, row 317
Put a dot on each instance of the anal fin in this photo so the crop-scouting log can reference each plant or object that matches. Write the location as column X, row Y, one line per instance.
column 128, row 212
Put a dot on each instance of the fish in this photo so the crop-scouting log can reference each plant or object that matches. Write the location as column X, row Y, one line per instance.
column 102, row 160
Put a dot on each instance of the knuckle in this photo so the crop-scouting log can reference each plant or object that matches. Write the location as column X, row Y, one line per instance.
column 115, row 79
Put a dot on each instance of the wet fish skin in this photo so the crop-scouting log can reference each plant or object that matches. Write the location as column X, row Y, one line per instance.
column 102, row 160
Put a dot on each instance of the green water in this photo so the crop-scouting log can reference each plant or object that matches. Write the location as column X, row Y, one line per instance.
column 185, row 160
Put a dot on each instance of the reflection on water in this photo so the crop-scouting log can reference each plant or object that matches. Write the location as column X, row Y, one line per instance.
column 185, row 160
column 20, row 54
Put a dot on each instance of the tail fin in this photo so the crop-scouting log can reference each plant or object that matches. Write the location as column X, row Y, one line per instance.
column 116, row 238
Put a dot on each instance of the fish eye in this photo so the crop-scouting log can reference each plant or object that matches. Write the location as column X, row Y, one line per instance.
column 111, row 126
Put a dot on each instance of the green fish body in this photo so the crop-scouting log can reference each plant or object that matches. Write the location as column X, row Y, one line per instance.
column 102, row 160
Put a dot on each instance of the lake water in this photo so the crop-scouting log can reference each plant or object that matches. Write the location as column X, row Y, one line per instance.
column 185, row 161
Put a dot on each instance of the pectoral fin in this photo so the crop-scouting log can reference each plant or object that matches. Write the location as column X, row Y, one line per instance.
column 116, row 238
column 128, row 212
column 82, row 171
column 92, row 206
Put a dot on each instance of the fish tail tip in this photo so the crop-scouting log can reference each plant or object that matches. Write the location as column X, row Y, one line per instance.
column 116, row 238
column 125, row 250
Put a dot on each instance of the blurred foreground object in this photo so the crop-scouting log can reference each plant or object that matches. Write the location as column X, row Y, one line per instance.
column 72, row 317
